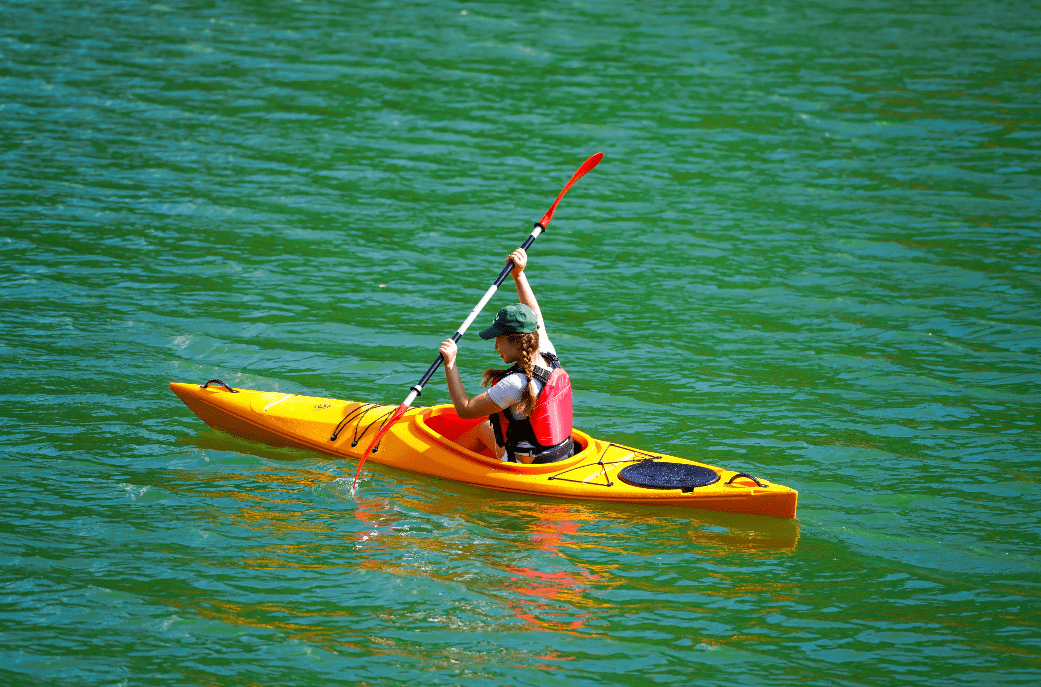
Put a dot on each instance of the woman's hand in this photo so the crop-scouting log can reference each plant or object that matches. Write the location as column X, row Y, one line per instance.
column 520, row 261
column 448, row 351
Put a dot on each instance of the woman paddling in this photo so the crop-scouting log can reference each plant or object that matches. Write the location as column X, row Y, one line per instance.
column 529, row 405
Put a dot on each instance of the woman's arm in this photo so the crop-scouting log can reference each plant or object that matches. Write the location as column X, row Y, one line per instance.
column 465, row 407
column 524, row 292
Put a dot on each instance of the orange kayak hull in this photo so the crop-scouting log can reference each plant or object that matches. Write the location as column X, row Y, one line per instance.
column 422, row 441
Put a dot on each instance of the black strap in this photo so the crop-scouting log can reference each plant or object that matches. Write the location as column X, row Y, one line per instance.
column 541, row 373
column 496, row 421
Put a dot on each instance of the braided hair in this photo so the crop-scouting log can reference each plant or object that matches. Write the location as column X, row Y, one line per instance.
column 528, row 345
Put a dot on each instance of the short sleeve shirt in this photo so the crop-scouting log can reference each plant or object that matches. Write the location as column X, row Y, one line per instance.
column 509, row 390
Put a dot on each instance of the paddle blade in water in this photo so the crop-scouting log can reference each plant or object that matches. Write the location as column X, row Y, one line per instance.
column 379, row 435
column 589, row 164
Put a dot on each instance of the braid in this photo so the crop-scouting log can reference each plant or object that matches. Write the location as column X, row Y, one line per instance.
column 528, row 344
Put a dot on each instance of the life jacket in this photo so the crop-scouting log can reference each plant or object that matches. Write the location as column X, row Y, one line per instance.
column 546, row 432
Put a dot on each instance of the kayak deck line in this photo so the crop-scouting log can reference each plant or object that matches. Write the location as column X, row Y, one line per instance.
column 363, row 409
column 603, row 468
column 630, row 458
column 424, row 441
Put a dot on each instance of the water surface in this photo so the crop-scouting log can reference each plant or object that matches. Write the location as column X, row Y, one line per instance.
column 811, row 253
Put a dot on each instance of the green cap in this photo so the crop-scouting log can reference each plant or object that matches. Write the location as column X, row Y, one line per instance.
column 513, row 319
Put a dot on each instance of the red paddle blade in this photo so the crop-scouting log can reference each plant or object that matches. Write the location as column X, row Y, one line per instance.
column 589, row 164
column 379, row 435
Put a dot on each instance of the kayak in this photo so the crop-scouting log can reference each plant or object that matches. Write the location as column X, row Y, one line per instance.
column 423, row 441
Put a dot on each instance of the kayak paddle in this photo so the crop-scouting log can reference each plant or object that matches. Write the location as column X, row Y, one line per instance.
column 540, row 227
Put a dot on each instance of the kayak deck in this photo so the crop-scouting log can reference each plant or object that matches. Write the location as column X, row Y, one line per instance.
column 423, row 441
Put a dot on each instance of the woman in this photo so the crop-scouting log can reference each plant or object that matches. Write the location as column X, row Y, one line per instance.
column 529, row 405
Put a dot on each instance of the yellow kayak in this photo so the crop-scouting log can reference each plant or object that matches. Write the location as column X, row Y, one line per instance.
column 423, row 441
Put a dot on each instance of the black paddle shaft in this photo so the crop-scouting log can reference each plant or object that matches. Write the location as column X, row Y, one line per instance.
column 418, row 388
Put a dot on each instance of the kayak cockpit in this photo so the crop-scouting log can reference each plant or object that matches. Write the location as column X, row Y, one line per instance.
column 443, row 425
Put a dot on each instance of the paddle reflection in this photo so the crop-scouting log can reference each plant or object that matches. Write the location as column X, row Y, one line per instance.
column 549, row 599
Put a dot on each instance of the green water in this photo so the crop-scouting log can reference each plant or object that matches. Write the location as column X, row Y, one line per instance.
column 811, row 252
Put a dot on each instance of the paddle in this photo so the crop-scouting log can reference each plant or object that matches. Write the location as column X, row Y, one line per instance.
column 540, row 227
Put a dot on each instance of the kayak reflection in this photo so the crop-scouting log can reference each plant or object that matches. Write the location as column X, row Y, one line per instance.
column 527, row 564
column 613, row 524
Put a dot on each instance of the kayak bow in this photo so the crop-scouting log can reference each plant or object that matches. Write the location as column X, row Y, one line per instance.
column 423, row 441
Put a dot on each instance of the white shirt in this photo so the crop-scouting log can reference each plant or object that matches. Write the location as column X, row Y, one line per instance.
column 509, row 390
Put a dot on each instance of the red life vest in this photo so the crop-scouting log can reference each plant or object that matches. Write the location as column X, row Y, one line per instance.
column 549, row 425
column 551, row 419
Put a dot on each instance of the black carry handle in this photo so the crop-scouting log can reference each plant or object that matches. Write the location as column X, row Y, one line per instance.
column 217, row 381
column 745, row 474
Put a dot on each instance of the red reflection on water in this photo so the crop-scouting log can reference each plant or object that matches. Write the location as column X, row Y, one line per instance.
column 533, row 590
column 373, row 514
